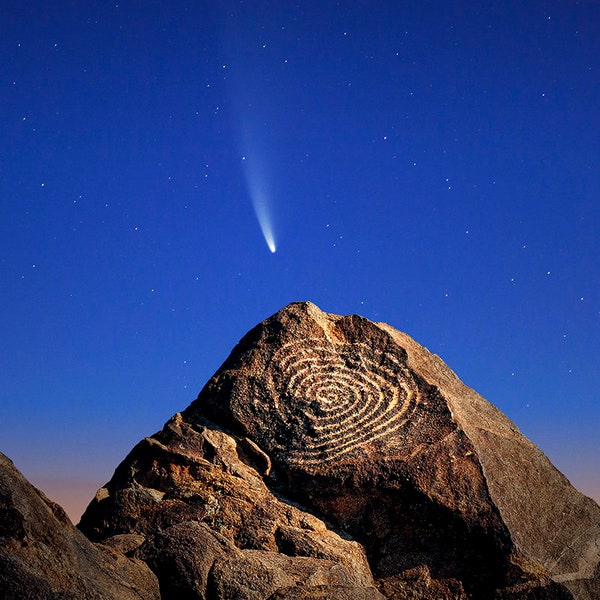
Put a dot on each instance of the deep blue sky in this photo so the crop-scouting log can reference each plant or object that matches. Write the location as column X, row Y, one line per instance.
column 433, row 165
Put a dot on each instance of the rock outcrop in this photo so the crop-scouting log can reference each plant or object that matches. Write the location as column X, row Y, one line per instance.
column 204, row 520
column 44, row 557
column 333, row 457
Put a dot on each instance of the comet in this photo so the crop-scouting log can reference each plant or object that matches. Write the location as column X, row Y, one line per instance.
column 264, row 219
column 257, row 189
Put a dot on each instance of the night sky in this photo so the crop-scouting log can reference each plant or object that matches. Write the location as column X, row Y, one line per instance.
column 432, row 165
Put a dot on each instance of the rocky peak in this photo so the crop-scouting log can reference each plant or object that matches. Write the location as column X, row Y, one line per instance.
column 332, row 455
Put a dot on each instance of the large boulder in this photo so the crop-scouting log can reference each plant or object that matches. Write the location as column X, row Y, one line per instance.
column 44, row 557
column 330, row 454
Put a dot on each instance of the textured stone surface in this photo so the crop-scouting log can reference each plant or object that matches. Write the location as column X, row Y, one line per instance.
column 324, row 442
column 44, row 557
column 211, row 527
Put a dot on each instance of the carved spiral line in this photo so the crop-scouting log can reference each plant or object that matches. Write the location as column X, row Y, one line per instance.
column 347, row 395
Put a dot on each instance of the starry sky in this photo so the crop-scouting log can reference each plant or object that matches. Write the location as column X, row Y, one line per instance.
column 432, row 165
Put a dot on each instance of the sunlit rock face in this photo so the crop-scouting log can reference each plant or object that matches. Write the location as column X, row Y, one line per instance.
column 334, row 457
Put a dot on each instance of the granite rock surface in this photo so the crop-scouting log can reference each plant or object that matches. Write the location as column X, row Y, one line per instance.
column 44, row 557
column 334, row 457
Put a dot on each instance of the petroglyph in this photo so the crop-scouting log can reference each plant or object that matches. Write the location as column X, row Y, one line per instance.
column 343, row 397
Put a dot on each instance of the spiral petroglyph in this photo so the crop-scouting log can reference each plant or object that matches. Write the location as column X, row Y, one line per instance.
column 342, row 397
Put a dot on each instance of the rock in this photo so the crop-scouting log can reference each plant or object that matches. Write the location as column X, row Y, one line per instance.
column 329, row 454
column 326, row 592
column 212, row 527
column 417, row 583
column 125, row 544
column 43, row 556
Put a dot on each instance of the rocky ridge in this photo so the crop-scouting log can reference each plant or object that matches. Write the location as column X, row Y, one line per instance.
column 44, row 557
column 331, row 457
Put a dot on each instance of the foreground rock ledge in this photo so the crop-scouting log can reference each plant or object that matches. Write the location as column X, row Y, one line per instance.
column 334, row 457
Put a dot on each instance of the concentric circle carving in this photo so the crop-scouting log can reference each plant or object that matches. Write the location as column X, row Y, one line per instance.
column 340, row 398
